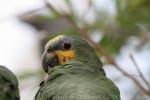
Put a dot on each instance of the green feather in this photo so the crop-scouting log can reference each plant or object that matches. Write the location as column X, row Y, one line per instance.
column 8, row 85
column 77, row 81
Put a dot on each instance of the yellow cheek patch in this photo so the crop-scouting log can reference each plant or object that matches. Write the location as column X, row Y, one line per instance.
column 65, row 56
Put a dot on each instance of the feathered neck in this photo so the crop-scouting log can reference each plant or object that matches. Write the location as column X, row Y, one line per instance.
column 73, row 67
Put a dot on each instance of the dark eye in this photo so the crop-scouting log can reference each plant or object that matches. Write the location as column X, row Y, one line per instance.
column 67, row 46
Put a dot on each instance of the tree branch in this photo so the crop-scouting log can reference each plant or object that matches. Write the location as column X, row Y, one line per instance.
column 139, row 71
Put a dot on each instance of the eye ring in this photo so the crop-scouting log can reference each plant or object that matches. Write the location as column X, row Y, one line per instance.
column 67, row 46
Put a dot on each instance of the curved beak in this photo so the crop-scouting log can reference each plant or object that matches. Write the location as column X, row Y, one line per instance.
column 49, row 60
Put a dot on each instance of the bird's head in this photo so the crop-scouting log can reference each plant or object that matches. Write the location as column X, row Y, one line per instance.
column 62, row 49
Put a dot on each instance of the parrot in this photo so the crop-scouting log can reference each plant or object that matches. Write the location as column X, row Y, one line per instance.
column 8, row 85
column 74, row 72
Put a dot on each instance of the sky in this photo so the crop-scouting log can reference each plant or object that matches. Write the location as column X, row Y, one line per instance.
column 20, row 44
column 18, row 41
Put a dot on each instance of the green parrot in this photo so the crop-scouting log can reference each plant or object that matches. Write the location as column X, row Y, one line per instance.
column 8, row 85
column 74, row 72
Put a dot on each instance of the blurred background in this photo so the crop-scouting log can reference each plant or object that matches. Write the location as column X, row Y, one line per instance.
column 119, row 30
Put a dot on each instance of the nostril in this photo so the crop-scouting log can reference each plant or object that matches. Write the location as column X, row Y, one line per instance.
column 49, row 50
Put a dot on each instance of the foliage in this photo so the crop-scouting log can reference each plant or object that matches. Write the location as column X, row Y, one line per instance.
column 130, row 15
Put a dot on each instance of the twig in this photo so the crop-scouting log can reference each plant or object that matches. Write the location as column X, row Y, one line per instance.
column 139, row 71
column 98, row 47
column 33, row 11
